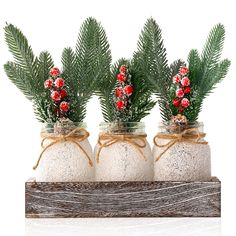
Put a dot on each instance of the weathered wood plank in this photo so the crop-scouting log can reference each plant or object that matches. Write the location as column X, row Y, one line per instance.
column 123, row 199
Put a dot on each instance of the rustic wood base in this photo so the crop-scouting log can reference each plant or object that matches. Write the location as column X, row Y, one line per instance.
column 123, row 199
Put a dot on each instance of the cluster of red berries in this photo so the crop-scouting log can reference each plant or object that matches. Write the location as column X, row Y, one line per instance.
column 183, row 84
column 58, row 94
column 124, row 90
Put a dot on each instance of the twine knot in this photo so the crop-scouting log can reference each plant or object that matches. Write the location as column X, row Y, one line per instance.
column 138, row 141
column 75, row 136
column 192, row 135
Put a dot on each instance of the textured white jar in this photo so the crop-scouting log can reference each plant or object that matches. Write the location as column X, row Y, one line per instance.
column 184, row 161
column 121, row 161
column 65, row 161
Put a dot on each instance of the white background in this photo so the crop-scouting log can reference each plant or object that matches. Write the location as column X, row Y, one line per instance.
column 53, row 25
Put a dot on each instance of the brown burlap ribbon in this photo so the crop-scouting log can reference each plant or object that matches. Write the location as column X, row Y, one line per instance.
column 138, row 141
column 75, row 136
column 191, row 135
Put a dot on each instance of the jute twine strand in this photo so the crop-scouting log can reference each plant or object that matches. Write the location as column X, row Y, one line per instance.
column 75, row 136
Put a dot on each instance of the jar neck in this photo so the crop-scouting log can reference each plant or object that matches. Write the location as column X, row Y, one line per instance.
column 168, row 127
column 64, row 127
column 122, row 127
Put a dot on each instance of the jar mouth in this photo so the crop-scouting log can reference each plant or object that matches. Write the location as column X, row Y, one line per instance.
column 194, row 124
column 170, row 127
column 122, row 127
column 62, row 127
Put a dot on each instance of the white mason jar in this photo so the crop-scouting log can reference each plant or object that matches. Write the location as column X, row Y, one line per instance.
column 181, row 153
column 123, row 153
column 66, row 154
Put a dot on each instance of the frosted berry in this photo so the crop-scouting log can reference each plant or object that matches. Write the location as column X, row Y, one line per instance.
column 179, row 93
column 176, row 79
column 187, row 90
column 59, row 82
column 63, row 93
column 183, row 70
column 185, row 81
column 128, row 90
column 64, row 106
column 185, row 102
column 48, row 84
column 121, row 77
column 120, row 104
column 119, row 92
column 176, row 102
column 54, row 72
column 55, row 96
column 123, row 69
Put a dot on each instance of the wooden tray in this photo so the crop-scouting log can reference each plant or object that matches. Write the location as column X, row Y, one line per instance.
column 122, row 199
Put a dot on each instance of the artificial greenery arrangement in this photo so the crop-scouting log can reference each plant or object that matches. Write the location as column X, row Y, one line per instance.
column 122, row 90
column 56, row 95
column 181, row 90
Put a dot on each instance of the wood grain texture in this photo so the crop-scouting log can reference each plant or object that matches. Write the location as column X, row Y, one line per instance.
column 123, row 199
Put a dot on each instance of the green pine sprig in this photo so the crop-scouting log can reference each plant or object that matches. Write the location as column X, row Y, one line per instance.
column 28, row 72
column 206, row 70
column 151, row 58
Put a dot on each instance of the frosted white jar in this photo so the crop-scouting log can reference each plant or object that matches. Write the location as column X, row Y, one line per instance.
column 66, row 155
column 184, row 156
column 123, row 153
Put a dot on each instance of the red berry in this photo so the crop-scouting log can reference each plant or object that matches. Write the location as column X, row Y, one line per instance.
column 119, row 92
column 185, row 102
column 54, row 72
column 64, row 106
column 63, row 93
column 183, row 70
column 181, row 109
column 187, row 90
column 123, row 69
column 120, row 104
column 128, row 89
column 176, row 102
column 59, row 82
column 185, row 81
column 121, row 77
column 48, row 83
column 179, row 93
column 176, row 79
column 55, row 96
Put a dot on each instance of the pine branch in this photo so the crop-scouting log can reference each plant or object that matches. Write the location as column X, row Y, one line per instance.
column 206, row 71
column 141, row 101
column 45, row 63
column 194, row 62
column 18, row 76
column 152, row 56
column 152, row 60
column 43, row 110
column 22, row 52
column 69, row 69
column 175, row 66
column 212, row 50
column 217, row 74
column 93, row 56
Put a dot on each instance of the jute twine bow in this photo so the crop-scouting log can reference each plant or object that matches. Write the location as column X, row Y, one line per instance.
column 138, row 141
column 75, row 136
column 191, row 135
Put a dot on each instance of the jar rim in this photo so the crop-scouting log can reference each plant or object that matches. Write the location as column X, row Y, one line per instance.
column 140, row 123
column 191, row 124
column 122, row 127
column 78, row 124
